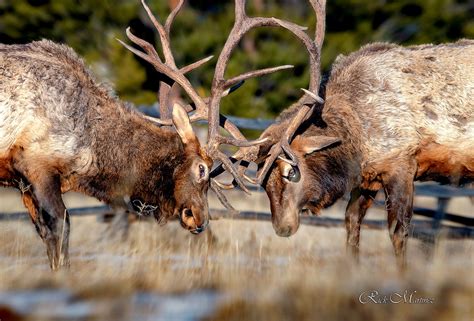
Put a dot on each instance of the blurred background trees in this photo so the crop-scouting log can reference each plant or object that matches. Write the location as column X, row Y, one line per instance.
column 92, row 26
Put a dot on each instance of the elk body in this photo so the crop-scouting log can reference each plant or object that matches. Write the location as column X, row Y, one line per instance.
column 392, row 115
column 61, row 131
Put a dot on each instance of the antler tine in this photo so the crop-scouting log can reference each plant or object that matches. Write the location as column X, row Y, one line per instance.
column 164, row 35
column 217, row 188
column 255, row 73
column 319, row 6
column 195, row 65
column 165, row 88
column 170, row 19
column 149, row 49
column 168, row 71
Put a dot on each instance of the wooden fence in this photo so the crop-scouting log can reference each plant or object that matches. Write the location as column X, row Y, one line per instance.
column 427, row 230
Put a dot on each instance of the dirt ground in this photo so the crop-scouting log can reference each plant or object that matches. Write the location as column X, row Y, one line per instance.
column 238, row 270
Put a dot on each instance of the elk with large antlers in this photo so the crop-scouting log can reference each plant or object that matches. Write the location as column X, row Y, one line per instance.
column 61, row 131
column 391, row 115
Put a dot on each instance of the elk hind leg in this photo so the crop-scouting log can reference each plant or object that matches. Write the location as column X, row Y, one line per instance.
column 399, row 189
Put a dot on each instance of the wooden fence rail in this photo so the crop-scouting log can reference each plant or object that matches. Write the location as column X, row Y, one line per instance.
column 420, row 229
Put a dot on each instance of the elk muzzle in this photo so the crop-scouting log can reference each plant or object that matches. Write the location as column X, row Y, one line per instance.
column 193, row 219
column 285, row 221
column 284, row 200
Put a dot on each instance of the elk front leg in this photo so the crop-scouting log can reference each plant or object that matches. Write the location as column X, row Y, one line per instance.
column 358, row 205
column 33, row 209
column 48, row 213
column 399, row 189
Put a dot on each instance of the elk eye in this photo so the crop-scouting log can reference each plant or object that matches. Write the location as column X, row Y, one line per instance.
column 202, row 171
column 294, row 174
column 291, row 173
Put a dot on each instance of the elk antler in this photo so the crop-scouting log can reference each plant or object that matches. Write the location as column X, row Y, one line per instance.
column 168, row 66
column 220, row 85
column 307, row 101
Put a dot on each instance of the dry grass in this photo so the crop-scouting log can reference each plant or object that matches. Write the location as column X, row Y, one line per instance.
column 258, row 276
column 250, row 273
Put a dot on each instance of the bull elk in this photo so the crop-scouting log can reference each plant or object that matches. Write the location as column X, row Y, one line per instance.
column 61, row 131
column 391, row 115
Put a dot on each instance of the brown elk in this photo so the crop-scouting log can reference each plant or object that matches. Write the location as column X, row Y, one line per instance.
column 392, row 115
column 60, row 131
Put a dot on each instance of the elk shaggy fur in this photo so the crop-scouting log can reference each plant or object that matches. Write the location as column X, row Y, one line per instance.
column 61, row 131
column 397, row 114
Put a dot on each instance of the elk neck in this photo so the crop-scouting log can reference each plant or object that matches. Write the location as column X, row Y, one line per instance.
column 132, row 157
column 333, row 171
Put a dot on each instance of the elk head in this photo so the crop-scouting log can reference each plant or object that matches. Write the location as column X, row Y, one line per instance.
column 291, row 189
column 191, row 177
column 171, row 180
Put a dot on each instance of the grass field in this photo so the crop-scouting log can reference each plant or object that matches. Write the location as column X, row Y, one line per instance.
column 239, row 270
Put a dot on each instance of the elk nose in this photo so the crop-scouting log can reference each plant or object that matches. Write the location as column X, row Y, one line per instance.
column 202, row 227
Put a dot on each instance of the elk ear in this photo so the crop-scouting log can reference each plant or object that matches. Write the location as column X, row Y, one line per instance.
column 308, row 145
column 182, row 124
